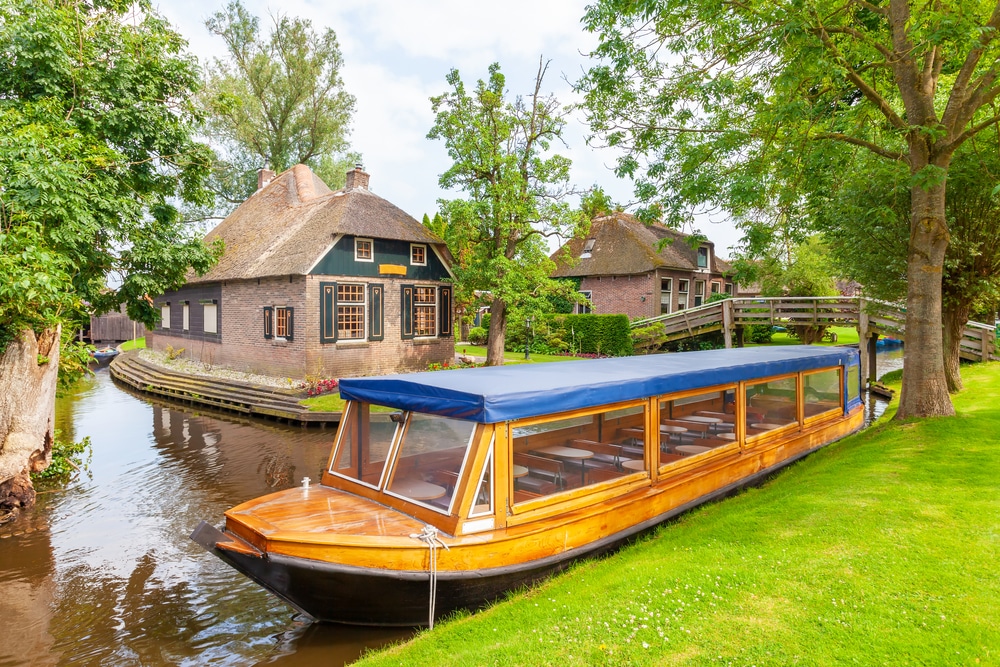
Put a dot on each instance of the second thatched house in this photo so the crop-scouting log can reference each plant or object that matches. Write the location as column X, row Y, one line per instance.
column 316, row 282
column 625, row 266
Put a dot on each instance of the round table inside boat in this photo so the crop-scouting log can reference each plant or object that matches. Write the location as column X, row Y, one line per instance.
column 634, row 464
column 520, row 471
column 417, row 489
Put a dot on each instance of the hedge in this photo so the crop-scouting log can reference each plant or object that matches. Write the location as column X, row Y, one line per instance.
column 596, row 334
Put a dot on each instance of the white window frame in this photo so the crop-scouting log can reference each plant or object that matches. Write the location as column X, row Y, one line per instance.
column 210, row 318
column 185, row 315
column 364, row 311
column 701, row 250
column 371, row 250
column 165, row 315
column 586, row 308
column 424, row 248
column 682, row 294
column 669, row 292
column 422, row 304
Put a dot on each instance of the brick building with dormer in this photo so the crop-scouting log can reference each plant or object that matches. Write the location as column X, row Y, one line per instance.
column 314, row 281
column 625, row 266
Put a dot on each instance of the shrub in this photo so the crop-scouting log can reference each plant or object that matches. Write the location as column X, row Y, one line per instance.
column 478, row 335
column 758, row 333
column 597, row 334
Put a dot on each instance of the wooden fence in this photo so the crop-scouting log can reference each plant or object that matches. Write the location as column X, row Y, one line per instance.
column 115, row 327
column 872, row 319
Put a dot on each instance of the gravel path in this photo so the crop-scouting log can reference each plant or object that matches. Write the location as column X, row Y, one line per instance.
column 191, row 367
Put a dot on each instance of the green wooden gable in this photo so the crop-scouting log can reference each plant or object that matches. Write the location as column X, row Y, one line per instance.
column 340, row 261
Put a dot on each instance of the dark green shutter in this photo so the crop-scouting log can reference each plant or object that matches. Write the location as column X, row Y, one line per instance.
column 290, row 323
column 444, row 312
column 406, row 312
column 268, row 322
column 327, row 312
column 376, row 298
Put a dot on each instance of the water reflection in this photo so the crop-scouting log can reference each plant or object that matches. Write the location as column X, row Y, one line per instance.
column 104, row 572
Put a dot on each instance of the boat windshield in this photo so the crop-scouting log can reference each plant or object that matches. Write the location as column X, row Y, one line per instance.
column 365, row 437
column 429, row 459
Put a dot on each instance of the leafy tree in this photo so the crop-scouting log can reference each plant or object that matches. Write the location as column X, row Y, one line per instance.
column 731, row 104
column 96, row 147
column 516, row 194
column 866, row 211
column 276, row 101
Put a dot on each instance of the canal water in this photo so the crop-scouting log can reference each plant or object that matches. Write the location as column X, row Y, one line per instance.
column 103, row 573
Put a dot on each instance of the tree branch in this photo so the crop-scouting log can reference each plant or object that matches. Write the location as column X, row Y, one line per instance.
column 874, row 148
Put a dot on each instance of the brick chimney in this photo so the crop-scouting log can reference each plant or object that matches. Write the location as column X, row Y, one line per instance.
column 264, row 176
column 357, row 178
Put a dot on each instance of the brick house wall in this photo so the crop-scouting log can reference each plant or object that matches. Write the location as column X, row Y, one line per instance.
column 243, row 345
column 636, row 296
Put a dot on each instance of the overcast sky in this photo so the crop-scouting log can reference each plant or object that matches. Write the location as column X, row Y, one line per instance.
column 396, row 56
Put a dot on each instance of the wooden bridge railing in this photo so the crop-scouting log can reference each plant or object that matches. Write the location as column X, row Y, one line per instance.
column 872, row 319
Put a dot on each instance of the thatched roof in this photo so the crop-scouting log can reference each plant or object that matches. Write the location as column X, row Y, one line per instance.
column 288, row 225
column 624, row 246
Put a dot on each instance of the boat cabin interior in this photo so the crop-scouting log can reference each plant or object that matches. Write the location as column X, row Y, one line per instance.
column 468, row 475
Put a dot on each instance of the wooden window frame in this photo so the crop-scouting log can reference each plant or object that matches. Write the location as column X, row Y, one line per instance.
column 214, row 319
column 342, row 305
column 185, row 315
column 165, row 315
column 419, row 306
column 358, row 253
column 414, row 249
column 284, row 319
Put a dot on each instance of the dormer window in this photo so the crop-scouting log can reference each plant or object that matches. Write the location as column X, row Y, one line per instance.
column 363, row 250
column 703, row 258
column 418, row 254
column 588, row 247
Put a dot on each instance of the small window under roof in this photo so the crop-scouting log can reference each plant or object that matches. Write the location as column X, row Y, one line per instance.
column 587, row 248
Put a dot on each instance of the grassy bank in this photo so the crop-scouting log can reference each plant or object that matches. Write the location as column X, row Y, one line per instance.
column 880, row 549
column 509, row 357
column 134, row 344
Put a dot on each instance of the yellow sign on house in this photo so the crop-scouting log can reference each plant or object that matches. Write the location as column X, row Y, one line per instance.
column 391, row 270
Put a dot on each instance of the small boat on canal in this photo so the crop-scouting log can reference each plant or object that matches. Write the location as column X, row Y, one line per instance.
column 445, row 490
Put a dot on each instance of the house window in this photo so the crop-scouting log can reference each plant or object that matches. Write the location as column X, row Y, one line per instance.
column 418, row 255
column 283, row 327
column 702, row 258
column 424, row 311
column 716, row 287
column 350, row 312
column 729, row 288
column 187, row 316
column 165, row 316
column 211, row 311
column 585, row 308
column 699, row 292
column 682, row 294
column 666, row 295
column 363, row 250
column 588, row 248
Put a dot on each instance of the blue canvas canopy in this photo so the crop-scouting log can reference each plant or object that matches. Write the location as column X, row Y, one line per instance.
column 501, row 393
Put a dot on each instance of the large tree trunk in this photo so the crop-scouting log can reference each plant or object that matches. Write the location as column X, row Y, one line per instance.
column 925, row 391
column 28, row 372
column 497, row 334
column 955, row 318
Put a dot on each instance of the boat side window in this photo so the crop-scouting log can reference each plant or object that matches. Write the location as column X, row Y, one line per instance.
column 483, row 503
column 697, row 424
column 364, row 439
column 853, row 383
column 429, row 459
column 822, row 392
column 770, row 405
column 562, row 454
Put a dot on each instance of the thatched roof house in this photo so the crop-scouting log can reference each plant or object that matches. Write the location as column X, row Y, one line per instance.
column 311, row 279
column 625, row 266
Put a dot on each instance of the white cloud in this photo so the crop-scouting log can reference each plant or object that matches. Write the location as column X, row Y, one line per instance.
column 396, row 56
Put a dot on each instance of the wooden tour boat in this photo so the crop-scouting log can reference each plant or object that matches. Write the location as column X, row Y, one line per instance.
column 445, row 490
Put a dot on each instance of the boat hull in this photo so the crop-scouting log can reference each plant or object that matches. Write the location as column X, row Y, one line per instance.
column 337, row 593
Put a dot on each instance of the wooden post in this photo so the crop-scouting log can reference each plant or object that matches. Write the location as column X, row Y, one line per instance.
column 986, row 345
column 872, row 357
column 727, row 322
column 739, row 335
column 863, row 333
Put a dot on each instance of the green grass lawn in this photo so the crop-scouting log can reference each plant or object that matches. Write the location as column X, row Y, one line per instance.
column 510, row 357
column 845, row 336
column 134, row 344
column 882, row 548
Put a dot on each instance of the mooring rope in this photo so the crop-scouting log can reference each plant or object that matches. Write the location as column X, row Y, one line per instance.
column 429, row 536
